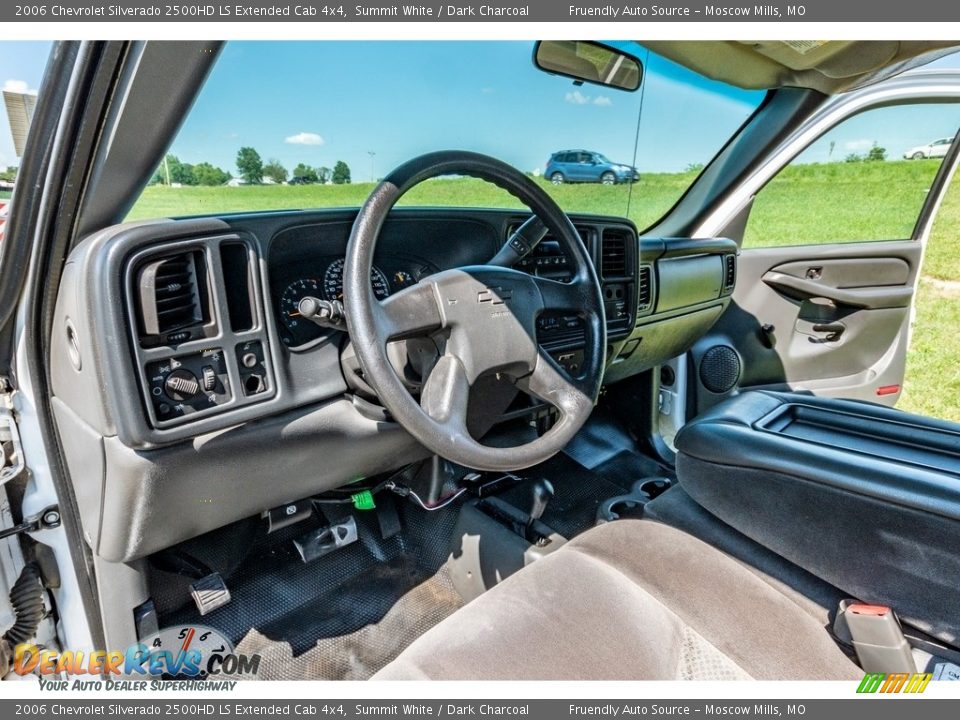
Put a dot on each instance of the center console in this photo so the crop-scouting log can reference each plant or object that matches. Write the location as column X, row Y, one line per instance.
column 863, row 496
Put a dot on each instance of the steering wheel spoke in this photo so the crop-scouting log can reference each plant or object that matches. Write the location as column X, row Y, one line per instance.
column 445, row 395
column 551, row 384
column 409, row 313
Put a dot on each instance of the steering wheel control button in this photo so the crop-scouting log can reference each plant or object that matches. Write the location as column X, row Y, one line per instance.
column 181, row 385
column 188, row 384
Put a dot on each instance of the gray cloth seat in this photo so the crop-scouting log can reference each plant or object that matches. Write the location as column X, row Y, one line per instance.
column 629, row 600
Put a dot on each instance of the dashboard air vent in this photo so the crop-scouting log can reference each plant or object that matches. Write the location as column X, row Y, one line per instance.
column 171, row 292
column 730, row 272
column 613, row 255
column 645, row 288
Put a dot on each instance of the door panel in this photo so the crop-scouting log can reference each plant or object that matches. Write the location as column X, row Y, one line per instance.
column 832, row 231
column 827, row 319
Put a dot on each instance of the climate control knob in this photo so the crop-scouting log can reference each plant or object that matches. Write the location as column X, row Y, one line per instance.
column 181, row 385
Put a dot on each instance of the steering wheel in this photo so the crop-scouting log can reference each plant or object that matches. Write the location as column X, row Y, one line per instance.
column 482, row 318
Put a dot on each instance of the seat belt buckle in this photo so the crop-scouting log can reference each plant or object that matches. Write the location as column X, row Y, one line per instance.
column 877, row 638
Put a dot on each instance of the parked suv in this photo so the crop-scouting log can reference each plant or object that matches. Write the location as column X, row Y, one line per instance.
column 587, row 166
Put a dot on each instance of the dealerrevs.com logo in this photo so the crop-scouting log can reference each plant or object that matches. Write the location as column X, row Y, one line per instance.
column 894, row 682
column 191, row 652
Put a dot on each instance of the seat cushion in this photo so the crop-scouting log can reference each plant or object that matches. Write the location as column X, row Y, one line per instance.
column 629, row 600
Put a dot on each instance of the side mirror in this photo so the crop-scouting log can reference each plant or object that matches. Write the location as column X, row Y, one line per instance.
column 586, row 61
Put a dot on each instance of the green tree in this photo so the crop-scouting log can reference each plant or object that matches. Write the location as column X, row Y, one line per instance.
column 250, row 165
column 323, row 175
column 275, row 171
column 341, row 173
column 174, row 172
column 853, row 158
column 206, row 174
column 305, row 173
column 9, row 175
column 877, row 154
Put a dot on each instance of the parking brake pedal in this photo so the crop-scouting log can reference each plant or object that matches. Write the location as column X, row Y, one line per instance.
column 327, row 539
column 209, row 593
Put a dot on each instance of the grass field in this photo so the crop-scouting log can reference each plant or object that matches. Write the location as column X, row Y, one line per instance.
column 651, row 198
column 804, row 205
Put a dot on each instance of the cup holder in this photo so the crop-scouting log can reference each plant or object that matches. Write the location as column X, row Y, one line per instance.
column 631, row 504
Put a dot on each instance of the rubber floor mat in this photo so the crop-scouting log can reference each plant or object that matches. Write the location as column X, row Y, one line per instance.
column 295, row 648
column 342, row 616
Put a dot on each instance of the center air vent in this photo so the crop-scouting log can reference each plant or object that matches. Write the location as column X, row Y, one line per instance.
column 645, row 288
column 172, row 297
column 614, row 257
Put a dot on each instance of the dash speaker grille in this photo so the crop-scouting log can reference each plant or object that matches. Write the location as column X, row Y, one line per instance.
column 720, row 369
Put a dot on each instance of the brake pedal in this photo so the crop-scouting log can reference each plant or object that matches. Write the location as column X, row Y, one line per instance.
column 209, row 593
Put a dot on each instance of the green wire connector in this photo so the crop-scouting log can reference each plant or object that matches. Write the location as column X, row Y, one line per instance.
column 363, row 500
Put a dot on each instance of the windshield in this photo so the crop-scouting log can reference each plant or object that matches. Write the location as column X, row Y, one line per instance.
column 315, row 124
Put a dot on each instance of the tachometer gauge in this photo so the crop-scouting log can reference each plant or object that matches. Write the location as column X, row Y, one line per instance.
column 290, row 301
column 296, row 330
column 333, row 282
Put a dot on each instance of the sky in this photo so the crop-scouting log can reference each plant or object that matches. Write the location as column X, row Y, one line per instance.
column 21, row 70
column 319, row 102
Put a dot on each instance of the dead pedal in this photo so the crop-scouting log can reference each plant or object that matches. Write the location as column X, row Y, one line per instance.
column 209, row 593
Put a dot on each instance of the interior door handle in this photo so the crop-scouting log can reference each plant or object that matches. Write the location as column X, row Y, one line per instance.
column 833, row 330
column 871, row 298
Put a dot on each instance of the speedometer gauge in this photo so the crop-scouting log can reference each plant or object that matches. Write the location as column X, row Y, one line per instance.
column 333, row 282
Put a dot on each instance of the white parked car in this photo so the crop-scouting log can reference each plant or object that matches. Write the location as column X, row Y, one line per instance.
column 936, row 149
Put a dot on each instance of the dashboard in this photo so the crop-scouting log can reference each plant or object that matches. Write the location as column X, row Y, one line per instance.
column 186, row 382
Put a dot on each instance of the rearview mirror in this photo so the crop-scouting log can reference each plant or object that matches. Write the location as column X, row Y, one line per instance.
column 589, row 62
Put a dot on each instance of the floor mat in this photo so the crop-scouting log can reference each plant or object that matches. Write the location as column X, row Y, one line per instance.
column 602, row 439
column 344, row 615
column 359, row 654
